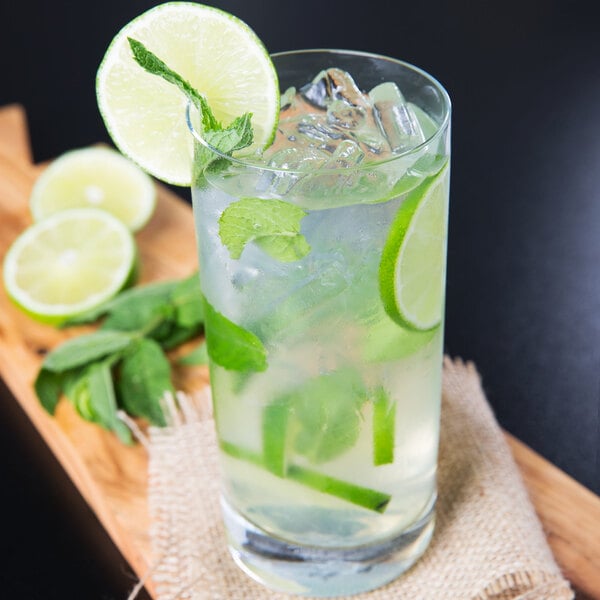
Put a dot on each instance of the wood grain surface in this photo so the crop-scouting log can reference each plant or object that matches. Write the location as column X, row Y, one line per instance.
column 112, row 477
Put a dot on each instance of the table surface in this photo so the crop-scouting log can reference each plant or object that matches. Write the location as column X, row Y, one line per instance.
column 524, row 251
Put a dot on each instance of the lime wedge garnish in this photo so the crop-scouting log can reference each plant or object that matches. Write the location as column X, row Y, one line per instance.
column 413, row 261
column 216, row 53
column 95, row 178
column 68, row 263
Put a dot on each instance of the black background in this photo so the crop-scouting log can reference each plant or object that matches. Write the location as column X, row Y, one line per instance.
column 524, row 250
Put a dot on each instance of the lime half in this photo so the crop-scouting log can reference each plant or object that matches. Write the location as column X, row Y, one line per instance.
column 413, row 261
column 68, row 263
column 95, row 178
column 216, row 53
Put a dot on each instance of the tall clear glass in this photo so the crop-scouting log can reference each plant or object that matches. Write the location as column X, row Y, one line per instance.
column 325, row 361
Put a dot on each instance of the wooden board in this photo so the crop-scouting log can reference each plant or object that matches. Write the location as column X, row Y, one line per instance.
column 112, row 478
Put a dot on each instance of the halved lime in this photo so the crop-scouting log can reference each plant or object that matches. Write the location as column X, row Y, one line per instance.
column 95, row 178
column 68, row 263
column 413, row 261
column 219, row 55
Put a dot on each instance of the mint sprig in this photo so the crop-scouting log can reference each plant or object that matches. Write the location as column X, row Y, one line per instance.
column 123, row 364
column 273, row 225
column 225, row 139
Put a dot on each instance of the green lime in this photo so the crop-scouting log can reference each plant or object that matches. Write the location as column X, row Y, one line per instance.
column 413, row 261
column 68, row 263
column 96, row 178
column 219, row 55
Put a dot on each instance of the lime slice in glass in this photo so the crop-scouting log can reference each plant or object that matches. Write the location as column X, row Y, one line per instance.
column 413, row 261
column 95, row 178
column 68, row 263
column 216, row 53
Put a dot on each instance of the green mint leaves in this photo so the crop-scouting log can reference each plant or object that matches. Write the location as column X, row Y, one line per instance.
column 231, row 346
column 123, row 364
column 273, row 225
column 226, row 140
column 327, row 411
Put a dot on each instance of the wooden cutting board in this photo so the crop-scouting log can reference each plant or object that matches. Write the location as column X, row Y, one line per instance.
column 112, row 477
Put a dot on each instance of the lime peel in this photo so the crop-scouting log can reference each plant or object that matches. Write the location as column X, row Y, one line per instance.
column 412, row 267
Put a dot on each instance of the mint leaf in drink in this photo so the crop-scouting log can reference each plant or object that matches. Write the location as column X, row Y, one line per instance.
column 84, row 349
column 236, row 136
column 144, row 377
column 273, row 225
column 327, row 414
column 384, row 427
column 231, row 346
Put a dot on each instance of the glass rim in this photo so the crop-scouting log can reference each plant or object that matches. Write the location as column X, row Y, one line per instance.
column 252, row 163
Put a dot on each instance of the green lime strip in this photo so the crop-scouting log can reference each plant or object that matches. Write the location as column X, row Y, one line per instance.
column 384, row 428
column 361, row 496
column 274, row 436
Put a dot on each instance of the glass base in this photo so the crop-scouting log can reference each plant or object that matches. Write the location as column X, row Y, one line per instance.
column 324, row 572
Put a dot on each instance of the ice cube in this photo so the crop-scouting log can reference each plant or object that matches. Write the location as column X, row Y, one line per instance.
column 347, row 116
column 333, row 84
column 347, row 154
column 395, row 118
column 290, row 161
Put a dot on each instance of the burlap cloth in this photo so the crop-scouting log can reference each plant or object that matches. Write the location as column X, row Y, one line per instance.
column 488, row 542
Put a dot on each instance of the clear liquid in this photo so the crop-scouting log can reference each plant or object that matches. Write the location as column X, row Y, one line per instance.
column 317, row 317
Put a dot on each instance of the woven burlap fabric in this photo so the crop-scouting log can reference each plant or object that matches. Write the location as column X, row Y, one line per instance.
column 488, row 543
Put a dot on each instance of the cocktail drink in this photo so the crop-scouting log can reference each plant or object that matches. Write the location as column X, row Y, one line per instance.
column 320, row 191
column 322, row 263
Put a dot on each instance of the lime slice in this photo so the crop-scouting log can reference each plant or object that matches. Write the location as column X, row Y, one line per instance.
column 216, row 53
column 96, row 178
column 68, row 263
column 413, row 261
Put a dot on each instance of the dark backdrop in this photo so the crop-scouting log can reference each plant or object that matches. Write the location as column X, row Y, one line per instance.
column 524, row 248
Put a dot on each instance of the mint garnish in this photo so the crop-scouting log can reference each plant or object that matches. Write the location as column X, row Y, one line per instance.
column 273, row 225
column 236, row 136
column 231, row 346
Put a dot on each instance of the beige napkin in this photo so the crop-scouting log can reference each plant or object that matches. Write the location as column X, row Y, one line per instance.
column 488, row 543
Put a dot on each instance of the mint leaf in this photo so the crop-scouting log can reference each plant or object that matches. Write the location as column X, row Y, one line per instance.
column 384, row 427
column 145, row 376
column 272, row 224
column 237, row 135
column 151, row 63
column 84, row 349
column 231, row 346
column 48, row 387
column 103, row 402
column 326, row 413
column 128, row 301
column 188, row 301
